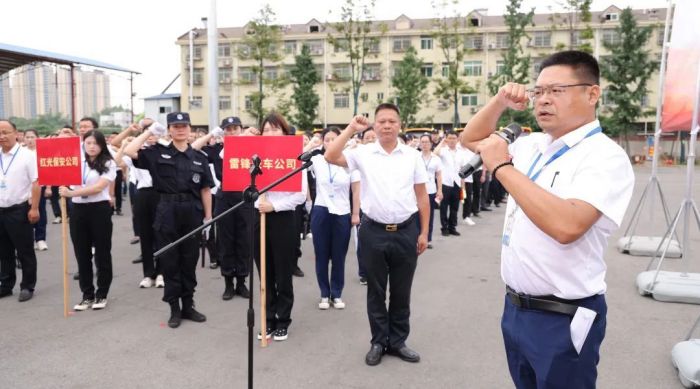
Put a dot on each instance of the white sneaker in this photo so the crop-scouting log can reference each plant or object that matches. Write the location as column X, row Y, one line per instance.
column 160, row 282
column 57, row 220
column 309, row 236
column 147, row 282
column 36, row 247
column 42, row 246
column 468, row 221
column 338, row 303
column 83, row 305
column 99, row 304
column 324, row 303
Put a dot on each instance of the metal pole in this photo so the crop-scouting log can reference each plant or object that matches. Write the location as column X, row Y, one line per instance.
column 72, row 95
column 131, row 96
column 191, row 66
column 690, row 167
column 212, row 53
column 660, row 97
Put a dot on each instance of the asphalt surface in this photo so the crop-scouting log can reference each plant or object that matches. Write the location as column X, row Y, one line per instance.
column 456, row 306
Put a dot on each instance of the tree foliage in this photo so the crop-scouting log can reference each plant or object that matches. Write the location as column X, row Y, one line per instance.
column 410, row 85
column 576, row 13
column 304, row 77
column 44, row 124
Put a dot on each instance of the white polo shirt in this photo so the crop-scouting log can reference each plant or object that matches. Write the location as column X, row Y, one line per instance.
column 595, row 170
column 452, row 161
column 388, row 195
column 332, row 185
column 90, row 177
column 18, row 173
column 433, row 165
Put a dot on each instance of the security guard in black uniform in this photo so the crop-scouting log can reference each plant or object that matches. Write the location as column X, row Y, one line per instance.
column 181, row 175
column 234, row 228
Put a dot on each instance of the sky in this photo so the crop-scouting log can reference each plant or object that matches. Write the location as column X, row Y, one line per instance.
column 140, row 34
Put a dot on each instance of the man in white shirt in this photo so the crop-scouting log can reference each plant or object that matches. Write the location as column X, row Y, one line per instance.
column 452, row 160
column 393, row 195
column 18, row 178
column 569, row 189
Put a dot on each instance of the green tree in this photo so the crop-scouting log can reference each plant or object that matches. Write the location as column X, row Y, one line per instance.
column 260, row 44
column 628, row 68
column 44, row 124
column 576, row 13
column 410, row 85
column 353, row 35
column 450, row 40
column 516, row 65
column 304, row 77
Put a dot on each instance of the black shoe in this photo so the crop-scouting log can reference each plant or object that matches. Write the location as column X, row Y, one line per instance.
column 297, row 272
column 192, row 314
column 229, row 290
column 175, row 315
column 497, row 205
column 5, row 293
column 25, row 294
column 405, row 354
column 119, row 212
column 268, row 335
column 76, row 276
column 280, row 334
column 137, row 260
column 363, row 280
column 487, row 209
column 374, row 356
column 214, row 265
column 135, row 240
column 445, row 233
column 241, row 289
column 430, row 246
column 455, row 233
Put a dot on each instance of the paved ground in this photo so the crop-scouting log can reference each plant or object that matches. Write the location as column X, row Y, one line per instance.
column 456, row 310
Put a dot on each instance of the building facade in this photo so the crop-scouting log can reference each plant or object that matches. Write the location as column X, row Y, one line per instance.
column 485, row 37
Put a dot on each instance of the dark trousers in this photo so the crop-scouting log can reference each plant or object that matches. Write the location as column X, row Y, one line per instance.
column 361, row 271
column 233, row 232
column 496, row 192
column 211, row 244
column 449, row 207
column 118, row 194
column 132, row 203
column 281, row 239
column 55, row 206
column 389, row 257
column 433, row 206
column 91, row 226
column 173, row 220
column 145, row 205
column 331, row 237
column 467, row 205
column 476, row 192
column 16, row 236
column 40, row 226
column 540, row 352
column 485, row 190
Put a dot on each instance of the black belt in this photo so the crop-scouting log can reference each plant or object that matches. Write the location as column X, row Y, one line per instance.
column 146, row 189
column 541, row 303
column 13, row 208
column 177, row 197
column 391, row 227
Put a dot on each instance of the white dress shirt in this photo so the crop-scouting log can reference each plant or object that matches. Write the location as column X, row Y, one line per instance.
column 287, row 201
column 467, row 156
column 18, row 172
column 91, row 177
column 595, row 170
column 433, row 165
column 332, row 185
column 388, row 179
column 452, row 161
column 141, row 176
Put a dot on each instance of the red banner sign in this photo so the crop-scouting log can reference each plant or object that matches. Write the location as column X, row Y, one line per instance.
column 58, row 161
column 278, row 155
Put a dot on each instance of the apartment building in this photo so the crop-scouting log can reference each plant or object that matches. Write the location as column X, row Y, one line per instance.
column 485, row 37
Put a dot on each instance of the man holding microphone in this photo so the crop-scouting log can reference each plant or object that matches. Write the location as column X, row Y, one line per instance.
column 569, row 190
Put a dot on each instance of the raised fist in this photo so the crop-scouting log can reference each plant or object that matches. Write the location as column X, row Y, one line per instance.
column 217, row 132
column 513, row 96
column 157, row 129
column 359, row 123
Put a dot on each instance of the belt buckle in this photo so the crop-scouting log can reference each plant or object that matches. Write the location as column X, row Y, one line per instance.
column 391, row 227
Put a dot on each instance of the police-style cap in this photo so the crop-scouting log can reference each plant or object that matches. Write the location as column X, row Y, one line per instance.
column 178, row 118
column 231, row 121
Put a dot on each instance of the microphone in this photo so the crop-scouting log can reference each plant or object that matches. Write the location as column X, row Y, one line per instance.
column 509, row 134
column 306, row 156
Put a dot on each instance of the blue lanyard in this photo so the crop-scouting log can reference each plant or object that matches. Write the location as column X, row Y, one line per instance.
column 86, row 172
column 556, row 155
column 331, row 177
column 4, row 171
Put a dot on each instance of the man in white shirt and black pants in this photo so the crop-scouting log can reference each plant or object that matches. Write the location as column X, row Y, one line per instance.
column 569, row 189
column 18, row 178
column 393, row 195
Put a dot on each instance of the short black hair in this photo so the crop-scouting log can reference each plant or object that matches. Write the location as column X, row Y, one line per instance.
column 9, row 121
column 91, row 120
column 584, row 65
column 450, row 132
column 390, row 106
column 366, row 130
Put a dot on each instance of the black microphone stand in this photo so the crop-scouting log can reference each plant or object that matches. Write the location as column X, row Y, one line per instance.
column 250, row 194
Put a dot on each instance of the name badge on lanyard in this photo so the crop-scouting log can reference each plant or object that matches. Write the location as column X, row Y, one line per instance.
column 331, row 179
column 85, row 174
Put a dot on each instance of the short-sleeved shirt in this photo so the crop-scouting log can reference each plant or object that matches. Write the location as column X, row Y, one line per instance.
column 141, row 177
column 452, row 161
column 388, row 180
column 90, row 177
column 175, row 171
column 433, row 165
column 332, row 185
column 19, row 171
column 213, row 155
column 595, row 170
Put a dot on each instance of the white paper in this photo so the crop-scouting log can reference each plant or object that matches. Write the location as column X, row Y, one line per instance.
column 580, row 325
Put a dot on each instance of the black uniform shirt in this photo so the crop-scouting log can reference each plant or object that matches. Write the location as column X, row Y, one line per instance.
column 174, row 171
column 212, row 152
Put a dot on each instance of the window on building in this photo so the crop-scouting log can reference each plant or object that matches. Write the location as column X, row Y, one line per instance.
column 165, row 109
column 195, row 102
column 542, row 39
column 605, row 97
column 660, row 37
column 469, row 100
column 474, row 22
column 364, row 97
column 290, row 47
column 341, row 46
column 197, row 76
column 270, row 74
column 197, row 51
column 536, row 67
column 445, row 70
column 576, row 38
column 611, row 37
column 372, row 73
column 249, row 103
column 474, row 42
column 500, row 65
column 380, row 97
column 472, row 68
column 224, row 103
column 224, row 50
column 341, row 100
column 244, row 50
column 315, row 47
column 224, row 76
column 426, row 43
column 427, row 70
column 246, row 76
column 613, row 16
column 373, row 46
column 644, row 101
column 314, row 28
column 402, row 43
column 341, row 72
column 502, row 40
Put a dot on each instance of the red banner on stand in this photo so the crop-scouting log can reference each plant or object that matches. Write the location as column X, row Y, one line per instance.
column 58, row 161
column 278, row 155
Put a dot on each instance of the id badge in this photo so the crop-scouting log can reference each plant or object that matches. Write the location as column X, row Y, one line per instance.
column 3, row 185
column 508, row 230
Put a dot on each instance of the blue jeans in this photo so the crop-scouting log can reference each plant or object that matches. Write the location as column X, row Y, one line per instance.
column 331, row 237
column 40, row 226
